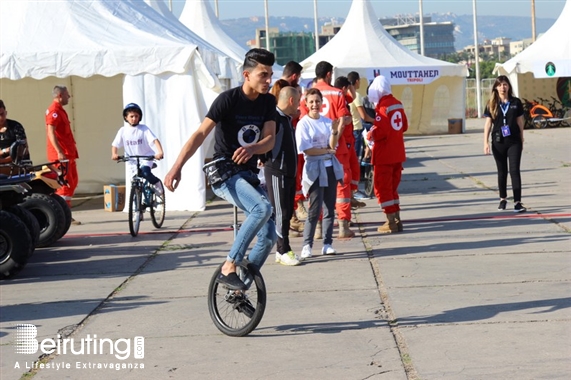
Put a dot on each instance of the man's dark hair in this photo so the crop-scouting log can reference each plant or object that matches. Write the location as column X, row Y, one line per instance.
column 322, row 69
column 2, row 104
column 258, row 56
column 353, row 77
column 292, row 67
column 341, row 82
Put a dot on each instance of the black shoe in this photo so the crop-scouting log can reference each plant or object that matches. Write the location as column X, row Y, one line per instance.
column 519, row 207
column 231, row 281
column 247, row 308
column 503, row 204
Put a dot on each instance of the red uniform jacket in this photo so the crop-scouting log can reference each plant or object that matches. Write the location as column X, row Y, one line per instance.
column 56, row 116
column 387, row 132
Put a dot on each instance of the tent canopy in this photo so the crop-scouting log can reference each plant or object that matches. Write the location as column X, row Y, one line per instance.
column 89, row 38
column 432, row 91
column 363, row 44
column 198, row 16
column 108, row 53
column 549, row 56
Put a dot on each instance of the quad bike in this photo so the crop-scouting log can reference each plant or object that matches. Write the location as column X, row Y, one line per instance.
column 19, row 230
column 49, row 209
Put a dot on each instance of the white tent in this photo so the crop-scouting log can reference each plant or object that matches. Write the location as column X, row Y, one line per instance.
column 432, row 91
column 534, row 72
column 199, row 17
column 90, row 46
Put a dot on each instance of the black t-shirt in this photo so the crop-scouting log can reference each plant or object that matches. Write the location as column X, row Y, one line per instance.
column 14, row 131
column 283, row 156
column 514, row 111
column 239, row 121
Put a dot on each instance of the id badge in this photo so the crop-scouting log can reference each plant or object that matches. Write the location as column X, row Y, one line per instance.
column 506, row 131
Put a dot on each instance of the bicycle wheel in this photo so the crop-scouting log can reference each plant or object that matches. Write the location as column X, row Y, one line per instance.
column 135, row 210
column 158, row 208
column 539, row 121
column 237, row 312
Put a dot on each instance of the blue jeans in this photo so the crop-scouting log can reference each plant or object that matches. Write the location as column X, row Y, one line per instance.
column 255, row 204
column 148, row 175
column 358, row 134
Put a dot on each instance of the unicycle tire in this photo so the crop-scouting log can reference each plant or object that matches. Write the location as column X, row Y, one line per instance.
column 234, row 312
column 135, row 210
column 369, row 183
column 158, row 210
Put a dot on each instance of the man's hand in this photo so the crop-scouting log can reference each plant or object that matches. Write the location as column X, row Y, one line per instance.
column 159, row 156
column 243, row 154
column 172, row 179
column 61, row 156
column 114, row 156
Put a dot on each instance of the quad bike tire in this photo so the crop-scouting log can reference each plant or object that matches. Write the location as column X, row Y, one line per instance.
column 50, row 216
column 66, row 212
column 15, row 245
column 29, row 220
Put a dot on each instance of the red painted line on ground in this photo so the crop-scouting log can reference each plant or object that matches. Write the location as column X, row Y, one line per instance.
column 491, row 217
column 159, row 232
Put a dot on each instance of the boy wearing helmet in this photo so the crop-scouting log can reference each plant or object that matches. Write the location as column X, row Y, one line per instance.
column 138, row 140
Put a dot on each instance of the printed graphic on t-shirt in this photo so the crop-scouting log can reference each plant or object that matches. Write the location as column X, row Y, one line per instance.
column 325, row 107
column 249, row 134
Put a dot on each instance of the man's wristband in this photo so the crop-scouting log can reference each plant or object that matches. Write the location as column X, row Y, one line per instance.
column 335, row 133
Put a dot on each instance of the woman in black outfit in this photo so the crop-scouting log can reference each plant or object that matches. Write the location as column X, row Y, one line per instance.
column 504, row 119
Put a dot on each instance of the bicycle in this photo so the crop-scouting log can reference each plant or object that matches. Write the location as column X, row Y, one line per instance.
column 237, row 312
column 143, row 195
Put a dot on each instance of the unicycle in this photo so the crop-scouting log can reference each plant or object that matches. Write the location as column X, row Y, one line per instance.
column 237, row 312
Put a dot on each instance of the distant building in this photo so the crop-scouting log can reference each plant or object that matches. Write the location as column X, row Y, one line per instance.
column 438, row 36
column 293, row 46
column 517, row 47
column 498, row 48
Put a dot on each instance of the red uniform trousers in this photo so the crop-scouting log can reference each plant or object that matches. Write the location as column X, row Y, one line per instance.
column 343, row 201
column 66, row 192
column 386, row 182
column 298, row 192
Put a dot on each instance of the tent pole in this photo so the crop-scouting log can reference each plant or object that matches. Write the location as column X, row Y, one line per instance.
column 216, row 8
column 421, row 19
column 315, row 24
column 533, row 32
column 267, row 26
column 477, row 58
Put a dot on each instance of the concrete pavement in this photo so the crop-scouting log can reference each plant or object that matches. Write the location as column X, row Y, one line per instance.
column 466, row 292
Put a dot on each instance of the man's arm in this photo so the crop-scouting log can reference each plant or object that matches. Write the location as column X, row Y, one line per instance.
column 172, row 179
column 365, row 116
column 266, row 143
column 53, row 140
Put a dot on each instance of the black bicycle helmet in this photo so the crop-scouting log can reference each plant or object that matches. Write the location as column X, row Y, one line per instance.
column 133, row 107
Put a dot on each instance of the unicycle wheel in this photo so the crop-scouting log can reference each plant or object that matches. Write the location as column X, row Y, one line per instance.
column 235, row 312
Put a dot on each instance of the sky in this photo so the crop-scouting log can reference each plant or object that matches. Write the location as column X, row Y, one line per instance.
column 229, row 9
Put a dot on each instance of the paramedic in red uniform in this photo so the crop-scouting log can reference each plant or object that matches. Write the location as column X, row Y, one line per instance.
column 388, row 151
column 335, row 107
column 60, row 141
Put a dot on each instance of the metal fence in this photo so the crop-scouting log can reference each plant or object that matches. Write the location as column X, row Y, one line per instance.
column 471, row 99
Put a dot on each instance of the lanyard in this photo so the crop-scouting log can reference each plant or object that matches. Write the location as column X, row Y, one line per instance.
column 505, row 110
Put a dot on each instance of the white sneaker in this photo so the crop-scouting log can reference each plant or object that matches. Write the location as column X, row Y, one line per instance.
column 328, row 250
column 159, row 190
column 305, row 252
column 290, row 259
column 278, row 257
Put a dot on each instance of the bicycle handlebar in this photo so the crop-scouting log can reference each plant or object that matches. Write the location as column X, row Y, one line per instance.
column 128, row 158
